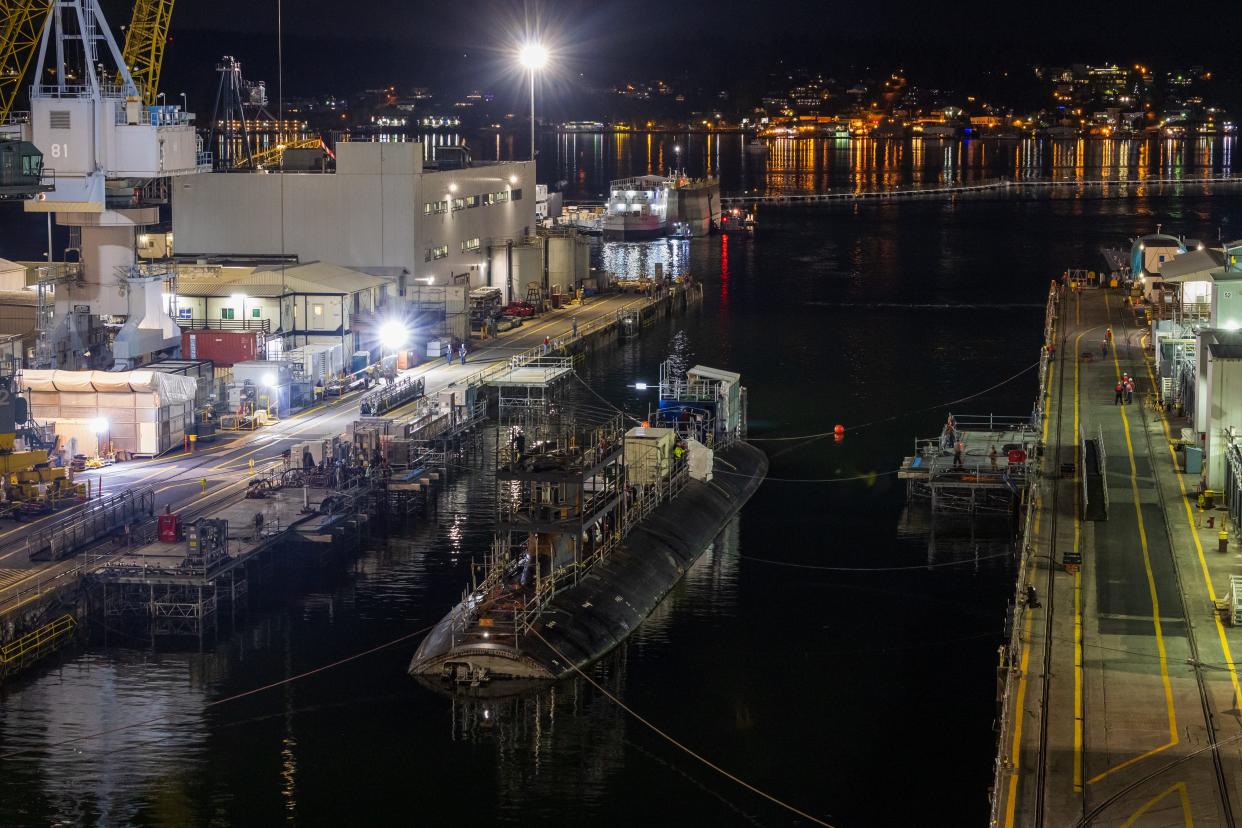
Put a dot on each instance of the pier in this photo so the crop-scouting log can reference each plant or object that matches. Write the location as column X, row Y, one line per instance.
column 45, row 596
column 1119, row 699
column 992, row 187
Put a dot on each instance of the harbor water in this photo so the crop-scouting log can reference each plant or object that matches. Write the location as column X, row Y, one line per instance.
column 819, row 650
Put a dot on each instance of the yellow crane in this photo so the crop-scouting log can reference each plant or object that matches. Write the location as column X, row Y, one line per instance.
column 144, row 45
column 275, row 154
column 21, row 24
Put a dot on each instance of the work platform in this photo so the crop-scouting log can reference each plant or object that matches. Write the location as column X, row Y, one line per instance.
column 1119, row 687
column 991, row 473
column 180, row 593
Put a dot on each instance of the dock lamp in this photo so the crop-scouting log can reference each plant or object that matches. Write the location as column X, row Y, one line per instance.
column 534, row 56
column 99, row 425
column 393, row 335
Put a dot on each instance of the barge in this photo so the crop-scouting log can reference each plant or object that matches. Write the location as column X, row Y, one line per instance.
column 596, row 524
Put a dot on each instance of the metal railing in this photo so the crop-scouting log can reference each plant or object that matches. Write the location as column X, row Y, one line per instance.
column 97, row 519
column 388, row 397
column 36, row 643
column 198, row 323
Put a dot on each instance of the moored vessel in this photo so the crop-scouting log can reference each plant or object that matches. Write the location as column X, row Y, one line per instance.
column 596, row 524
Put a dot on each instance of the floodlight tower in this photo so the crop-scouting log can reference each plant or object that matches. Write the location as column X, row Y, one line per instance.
column 106, row 147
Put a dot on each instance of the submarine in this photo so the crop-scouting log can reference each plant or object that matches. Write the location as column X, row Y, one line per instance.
column 597, row 522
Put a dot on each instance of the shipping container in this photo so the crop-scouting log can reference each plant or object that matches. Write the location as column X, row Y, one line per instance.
column 223, row 348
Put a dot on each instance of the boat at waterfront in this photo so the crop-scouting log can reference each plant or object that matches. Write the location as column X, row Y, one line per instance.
column 597, row 524
column 650, row 206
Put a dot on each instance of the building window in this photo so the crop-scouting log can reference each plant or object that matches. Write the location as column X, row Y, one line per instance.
column 502, row 197
column 469, row 245
column 516, row 194
column 440, row 207
column 459, row 204
column 472, row 201
column 439, row 252
column 254, row 313
column 226, row 313
column 427, row 209
column 316, row 310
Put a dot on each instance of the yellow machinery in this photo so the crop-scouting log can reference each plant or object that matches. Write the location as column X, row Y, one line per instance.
column 273, row 155
column 144, row 45
column 21, row 24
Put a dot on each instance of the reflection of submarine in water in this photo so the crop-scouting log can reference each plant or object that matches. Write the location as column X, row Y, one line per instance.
column 597, row 525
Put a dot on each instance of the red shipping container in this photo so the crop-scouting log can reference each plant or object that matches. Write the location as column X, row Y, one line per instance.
column 168, row 528
column 224, row 348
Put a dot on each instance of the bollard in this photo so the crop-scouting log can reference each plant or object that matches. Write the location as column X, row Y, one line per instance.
column 1223, row 541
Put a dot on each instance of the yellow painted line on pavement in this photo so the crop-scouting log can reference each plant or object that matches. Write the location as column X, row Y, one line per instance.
column 1078, row 656
column 1194, row 535
column 1180, row 788
column 1155, row 599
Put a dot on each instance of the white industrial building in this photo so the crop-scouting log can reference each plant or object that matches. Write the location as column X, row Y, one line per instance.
column 298, row 304
column 1198, row 355
column 382, row 208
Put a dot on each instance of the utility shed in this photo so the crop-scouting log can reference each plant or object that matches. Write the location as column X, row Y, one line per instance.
column 725, row 387
column 142, row 413
column 648, row 454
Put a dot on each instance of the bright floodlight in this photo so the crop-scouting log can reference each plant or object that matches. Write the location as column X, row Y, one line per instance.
column 393, row 334
column 269, row 379
column 533, row 56
column 99, row 425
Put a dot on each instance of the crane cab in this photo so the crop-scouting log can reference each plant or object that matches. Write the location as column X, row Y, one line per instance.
column 21, row 170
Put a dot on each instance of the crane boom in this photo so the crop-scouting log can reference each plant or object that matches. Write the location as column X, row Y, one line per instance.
column 144, row 45
column 21, row 24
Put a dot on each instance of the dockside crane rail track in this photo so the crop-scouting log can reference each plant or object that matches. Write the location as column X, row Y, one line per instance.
column 1004, row 769
column 1041, row 775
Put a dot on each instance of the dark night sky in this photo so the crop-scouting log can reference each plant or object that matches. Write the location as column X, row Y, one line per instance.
column 338, row 46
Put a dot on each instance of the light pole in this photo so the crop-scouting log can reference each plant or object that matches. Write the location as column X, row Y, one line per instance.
column 185, row 107
column 533, row 56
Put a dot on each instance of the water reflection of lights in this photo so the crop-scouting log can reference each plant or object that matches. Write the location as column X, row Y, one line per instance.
column 289, row 773
column 455, row 535
column 632, row 260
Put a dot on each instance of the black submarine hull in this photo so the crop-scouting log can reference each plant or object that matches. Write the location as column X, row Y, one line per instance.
column 585, row 621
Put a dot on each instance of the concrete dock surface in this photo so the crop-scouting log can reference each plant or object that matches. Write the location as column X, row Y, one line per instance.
column 1123, row 702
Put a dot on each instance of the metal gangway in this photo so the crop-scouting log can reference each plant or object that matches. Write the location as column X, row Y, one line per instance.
column 386, row 398
column 97, row 519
